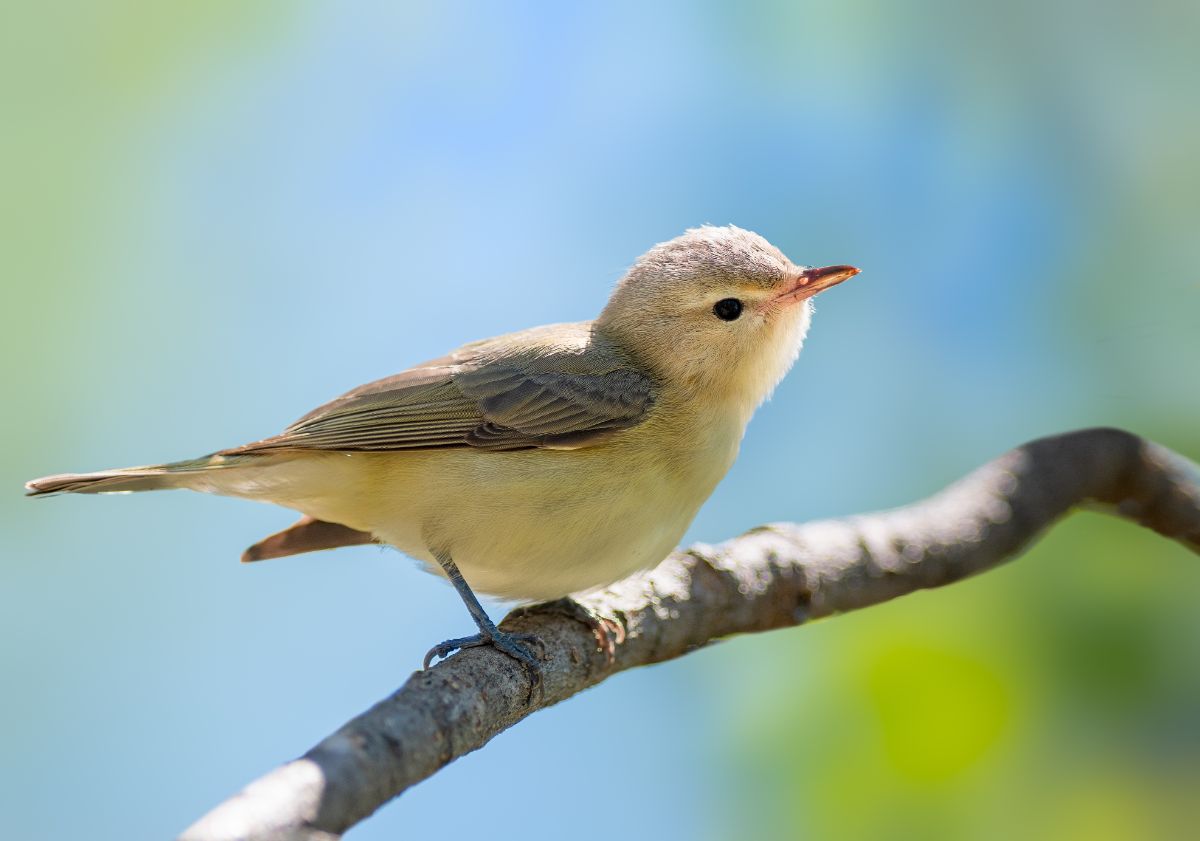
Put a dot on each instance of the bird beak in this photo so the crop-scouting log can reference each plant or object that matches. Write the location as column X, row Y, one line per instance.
column 811, row 281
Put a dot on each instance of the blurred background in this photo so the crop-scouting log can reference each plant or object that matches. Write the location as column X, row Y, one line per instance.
column 216, row 216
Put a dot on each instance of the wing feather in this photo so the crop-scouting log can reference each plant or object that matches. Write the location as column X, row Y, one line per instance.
column 556, row 387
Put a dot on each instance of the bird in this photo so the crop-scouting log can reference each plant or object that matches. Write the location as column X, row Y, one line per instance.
column 537, row 464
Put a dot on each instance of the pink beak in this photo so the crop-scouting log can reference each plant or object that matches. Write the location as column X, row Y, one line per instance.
column 811, row 281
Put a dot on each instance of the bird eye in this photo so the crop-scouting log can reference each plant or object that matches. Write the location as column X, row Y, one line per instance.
column 727, row 309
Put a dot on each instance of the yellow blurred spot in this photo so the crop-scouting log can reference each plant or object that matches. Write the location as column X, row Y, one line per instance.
column 940, row 712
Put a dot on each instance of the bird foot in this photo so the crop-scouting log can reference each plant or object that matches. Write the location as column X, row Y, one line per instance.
column 509, row 643
column 609, row 631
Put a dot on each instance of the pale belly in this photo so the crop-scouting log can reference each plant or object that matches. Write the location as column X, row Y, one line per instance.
column 539, row 524
column 528, row 525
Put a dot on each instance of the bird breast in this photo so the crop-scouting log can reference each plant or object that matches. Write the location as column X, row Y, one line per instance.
column 541, row 524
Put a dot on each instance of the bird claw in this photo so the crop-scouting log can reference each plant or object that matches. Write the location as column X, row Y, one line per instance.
column 509, row 643
column 608, row 631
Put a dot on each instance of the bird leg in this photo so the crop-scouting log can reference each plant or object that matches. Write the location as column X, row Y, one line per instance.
column 488, row 634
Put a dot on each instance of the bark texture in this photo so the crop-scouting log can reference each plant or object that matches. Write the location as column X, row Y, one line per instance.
column 771, row 577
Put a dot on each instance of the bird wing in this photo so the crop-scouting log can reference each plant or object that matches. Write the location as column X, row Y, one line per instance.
column 555, row 387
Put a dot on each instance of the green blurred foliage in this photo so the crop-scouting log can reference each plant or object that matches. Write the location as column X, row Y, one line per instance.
column 1053, row 699
column 78, row 80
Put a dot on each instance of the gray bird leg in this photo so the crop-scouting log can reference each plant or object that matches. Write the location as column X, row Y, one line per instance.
column 488, row 634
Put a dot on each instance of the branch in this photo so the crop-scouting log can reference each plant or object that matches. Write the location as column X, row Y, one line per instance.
column 772, row 577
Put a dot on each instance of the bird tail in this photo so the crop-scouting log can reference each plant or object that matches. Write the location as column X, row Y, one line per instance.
column 192, row 474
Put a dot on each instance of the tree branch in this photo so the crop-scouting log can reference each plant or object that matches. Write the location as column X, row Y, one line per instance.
column 771, row 577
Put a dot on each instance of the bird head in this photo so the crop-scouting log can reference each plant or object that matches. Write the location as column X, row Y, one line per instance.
column 718, row 310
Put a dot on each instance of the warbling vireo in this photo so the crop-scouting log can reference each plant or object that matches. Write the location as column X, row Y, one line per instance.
column 541, row 463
